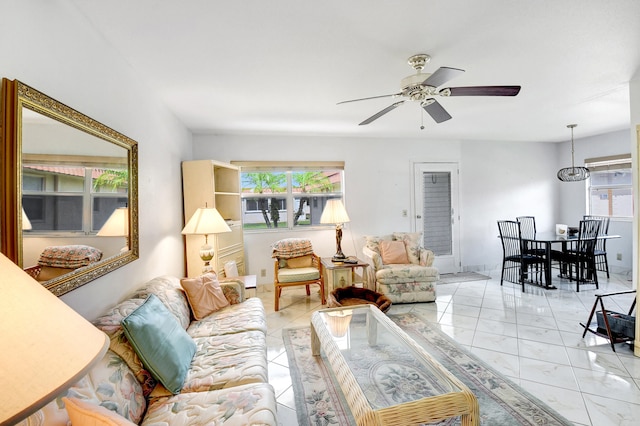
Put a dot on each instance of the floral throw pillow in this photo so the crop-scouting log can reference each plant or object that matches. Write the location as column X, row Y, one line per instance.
column 372, row 242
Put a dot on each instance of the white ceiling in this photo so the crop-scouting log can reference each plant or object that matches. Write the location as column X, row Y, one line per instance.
column 280, row 66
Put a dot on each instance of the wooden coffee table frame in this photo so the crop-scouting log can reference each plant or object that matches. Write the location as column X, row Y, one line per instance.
column 461, row 403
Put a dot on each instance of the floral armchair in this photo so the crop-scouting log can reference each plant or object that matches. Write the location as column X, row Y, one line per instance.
column 401, row 268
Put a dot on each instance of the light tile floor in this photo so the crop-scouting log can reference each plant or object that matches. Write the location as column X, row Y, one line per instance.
column 533, row 338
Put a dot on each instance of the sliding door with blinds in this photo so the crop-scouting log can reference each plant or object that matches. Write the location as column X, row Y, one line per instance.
column 436, row 207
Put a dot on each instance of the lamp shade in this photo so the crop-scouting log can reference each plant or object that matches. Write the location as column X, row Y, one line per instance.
column 206, row 221
column 334, row 212
column 26, row 223
column 45, row 346
column 117, row 225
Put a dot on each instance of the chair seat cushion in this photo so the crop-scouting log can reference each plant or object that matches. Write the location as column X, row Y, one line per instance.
column 288, row 275
column 391, row 274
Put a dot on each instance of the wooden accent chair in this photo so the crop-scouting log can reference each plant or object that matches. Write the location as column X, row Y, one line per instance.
column 295, row 264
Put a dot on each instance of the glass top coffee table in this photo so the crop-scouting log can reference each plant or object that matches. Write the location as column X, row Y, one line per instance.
column 385, row 376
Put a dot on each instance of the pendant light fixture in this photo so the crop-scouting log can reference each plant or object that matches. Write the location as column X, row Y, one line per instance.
column 573, row 173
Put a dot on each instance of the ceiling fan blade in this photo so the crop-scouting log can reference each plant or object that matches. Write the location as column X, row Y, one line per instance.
column 436, row 111
column 381, row 113
column 372, row 97
column 485, row 91
column 441, row 76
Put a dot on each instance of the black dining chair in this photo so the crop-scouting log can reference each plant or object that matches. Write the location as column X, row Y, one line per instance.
column 527, row 224
column 580, row 254
column 518, row 264
column 602, row 263
column 528, row 228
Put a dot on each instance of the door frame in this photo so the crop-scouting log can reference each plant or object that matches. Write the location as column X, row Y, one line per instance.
column 451, row 263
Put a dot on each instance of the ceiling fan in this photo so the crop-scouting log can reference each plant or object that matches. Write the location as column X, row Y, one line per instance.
column 423, row 87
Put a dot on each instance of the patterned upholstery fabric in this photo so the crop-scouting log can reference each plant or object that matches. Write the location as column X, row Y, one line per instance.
column 248, row 315
column 408, row 283
column 252, row 404
column 226, row 383
column 70, row 256
column 170, row 292
column 227, row 361
column 291, row 247
column 394, row 274
column 409, row 292
column 110, row 384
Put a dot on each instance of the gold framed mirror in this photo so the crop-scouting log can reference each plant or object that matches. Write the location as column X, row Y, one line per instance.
column 69, row 202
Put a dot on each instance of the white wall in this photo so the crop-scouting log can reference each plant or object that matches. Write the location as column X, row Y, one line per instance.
column 51, row 47
column 497, row 181
column 501, row 181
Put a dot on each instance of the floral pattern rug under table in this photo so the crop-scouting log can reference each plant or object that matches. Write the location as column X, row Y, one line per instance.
column 395, row 378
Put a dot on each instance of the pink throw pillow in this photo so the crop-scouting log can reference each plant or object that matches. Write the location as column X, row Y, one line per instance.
column 393, row 252
column 86, row 413
column 204, row 294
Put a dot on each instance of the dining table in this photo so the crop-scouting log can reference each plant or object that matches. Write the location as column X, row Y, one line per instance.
column 547, row 239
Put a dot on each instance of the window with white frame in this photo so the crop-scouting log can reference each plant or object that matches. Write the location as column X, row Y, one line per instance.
column 71, row 198
column 287, row 195
column 610, row 186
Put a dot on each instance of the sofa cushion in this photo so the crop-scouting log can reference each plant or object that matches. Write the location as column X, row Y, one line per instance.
column 161, row 343
column 111, row 324
column 396, row 274
column 252, row 404
column 169, row 291
column 87, row 414
column 393, row 252
column 224, row 362
column 287, row 275
column 204, row 295
column 248, row 315
column 409, row 292
column 110, row 384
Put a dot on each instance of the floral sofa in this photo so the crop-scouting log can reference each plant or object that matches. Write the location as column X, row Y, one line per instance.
column 402, row 269
column 225, row 384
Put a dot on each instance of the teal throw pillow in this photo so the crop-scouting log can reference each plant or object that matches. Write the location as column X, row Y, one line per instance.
column 163, row 346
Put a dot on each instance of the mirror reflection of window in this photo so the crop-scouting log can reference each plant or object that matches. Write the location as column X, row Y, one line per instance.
column 72, row 198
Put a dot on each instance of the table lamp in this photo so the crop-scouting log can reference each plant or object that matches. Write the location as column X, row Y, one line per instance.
column 335, row 213
column 206, row 221
column 26, row 223
column 117, row 226
column 45, row 347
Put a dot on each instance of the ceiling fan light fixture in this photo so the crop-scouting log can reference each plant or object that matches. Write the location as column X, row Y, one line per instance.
column 573, row 173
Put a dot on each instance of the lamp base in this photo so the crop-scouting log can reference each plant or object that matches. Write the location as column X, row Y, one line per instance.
column 206, row 254
column 339, row 257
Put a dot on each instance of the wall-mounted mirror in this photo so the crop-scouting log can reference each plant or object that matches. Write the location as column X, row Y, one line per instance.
column 69, row 206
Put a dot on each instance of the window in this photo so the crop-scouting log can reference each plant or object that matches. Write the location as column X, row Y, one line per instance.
column 288, row 195
column 610, row 187
column 71, row 198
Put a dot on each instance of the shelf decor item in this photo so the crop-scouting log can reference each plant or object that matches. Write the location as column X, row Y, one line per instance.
column 206, row 221
column 335, row 213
